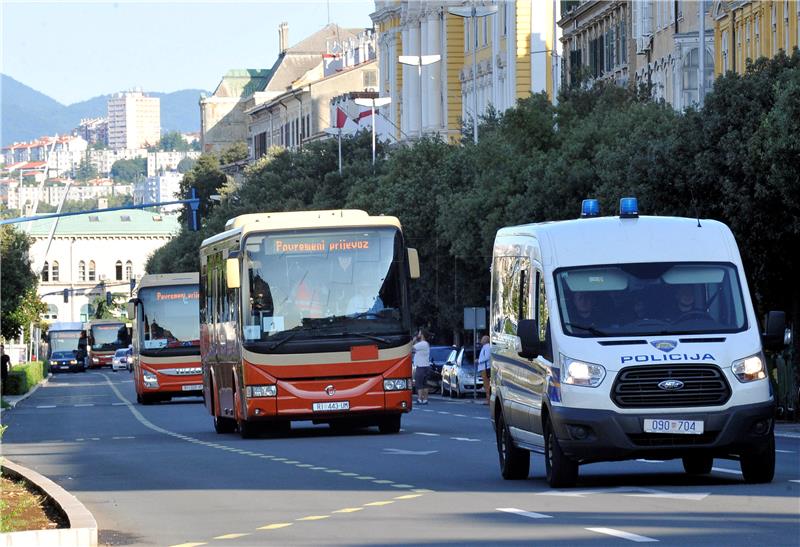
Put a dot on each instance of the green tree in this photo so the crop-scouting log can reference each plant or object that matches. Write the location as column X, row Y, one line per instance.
column 16, row 277
column 186, row 165
column 173, row 141
column 129, row 170
column 235, row 152
column 85, row 171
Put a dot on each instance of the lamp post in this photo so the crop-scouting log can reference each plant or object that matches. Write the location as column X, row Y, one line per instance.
column 419, row 61
column 338, row 132
column 372, row 103
column 474, row 11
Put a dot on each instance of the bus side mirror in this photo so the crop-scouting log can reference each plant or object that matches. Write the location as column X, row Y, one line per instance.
column 775, row 336
column 413, row 263
column 232, row 273
column 131, row 309
column 528, row 332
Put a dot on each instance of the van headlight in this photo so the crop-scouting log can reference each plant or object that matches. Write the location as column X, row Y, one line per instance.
column 580, row 373
column 261, row 391
column 397, row 384
column 150, row 379
column 750, row 368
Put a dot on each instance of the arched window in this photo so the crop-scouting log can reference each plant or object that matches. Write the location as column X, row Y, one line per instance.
column 54, row 271
column 118, row 271
column 92, row 276
column 52, row 312
column 46, row 272
column 81, row 271
column 87, row 311
column 129, row 270
column 691, row 64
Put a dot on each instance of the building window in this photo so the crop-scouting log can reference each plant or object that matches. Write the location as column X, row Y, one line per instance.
column 466, row 33
column 54, row 271
column 370, row 79
column 725, row 38
column 128, row 270
column 503, row 18
column 118, row 271
column 46, row 272
column 691, row 65
column 81, row 271
column 92, row 276
column 786, row 26
column 485, row 30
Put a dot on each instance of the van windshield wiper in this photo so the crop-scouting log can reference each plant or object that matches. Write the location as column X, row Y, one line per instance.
column 591, row 330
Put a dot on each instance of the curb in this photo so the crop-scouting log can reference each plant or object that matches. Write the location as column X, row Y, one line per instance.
column 29, row 393
column 83, row 527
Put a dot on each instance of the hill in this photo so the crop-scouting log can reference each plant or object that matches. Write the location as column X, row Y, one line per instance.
column 28, row 114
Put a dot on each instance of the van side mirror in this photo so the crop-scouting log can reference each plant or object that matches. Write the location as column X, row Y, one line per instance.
column 528, row 332
column 775, row 336
column 413, row 263
column 232, row 273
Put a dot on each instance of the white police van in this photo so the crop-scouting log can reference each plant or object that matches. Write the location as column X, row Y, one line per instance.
column 616, row 338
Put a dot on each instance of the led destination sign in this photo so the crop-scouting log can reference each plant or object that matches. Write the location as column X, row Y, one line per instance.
column 318, row 245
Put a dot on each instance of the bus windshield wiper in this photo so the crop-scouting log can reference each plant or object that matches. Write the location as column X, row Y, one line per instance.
column 285, row 339
column 365, row 335
column 591, row 330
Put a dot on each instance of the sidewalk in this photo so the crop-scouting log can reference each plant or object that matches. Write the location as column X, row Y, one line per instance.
column 14, row 399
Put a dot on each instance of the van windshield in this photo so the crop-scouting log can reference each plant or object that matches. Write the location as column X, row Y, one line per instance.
column 650, row 299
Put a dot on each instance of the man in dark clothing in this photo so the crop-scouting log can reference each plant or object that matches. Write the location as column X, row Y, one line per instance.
column 5, row 365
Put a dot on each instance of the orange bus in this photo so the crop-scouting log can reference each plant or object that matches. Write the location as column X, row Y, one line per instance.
column 104, row 337
column 305, row 316
column 166, row 337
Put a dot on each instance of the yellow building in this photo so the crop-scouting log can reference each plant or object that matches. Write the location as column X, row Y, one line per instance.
column 514, row 54
column 751, row 29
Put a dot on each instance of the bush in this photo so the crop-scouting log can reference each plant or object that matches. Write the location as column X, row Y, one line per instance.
column 22, row 378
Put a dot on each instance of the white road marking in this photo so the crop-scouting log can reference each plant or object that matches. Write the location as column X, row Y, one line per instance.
column 402, row 486
column 788, row 435
column 120, row 438
column 117, row 404
column 794, row 480
column 461, row 415
column 85, row 404
column 466, row 439
column 442, row 412
column 401, row 452
column 651, row 461
column 426, row 434
column 723, row 470
column 624, row 535
column 675, row 496
column 630, row 491
column 522, row 513
column 45, row 406
column 784, row 451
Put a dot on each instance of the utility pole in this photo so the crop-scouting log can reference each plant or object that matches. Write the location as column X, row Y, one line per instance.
column 701, row 77
column 372, row 103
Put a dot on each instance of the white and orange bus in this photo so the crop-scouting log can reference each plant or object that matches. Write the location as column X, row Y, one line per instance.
column 104, row 337
column 166, row 337
column 305, row 316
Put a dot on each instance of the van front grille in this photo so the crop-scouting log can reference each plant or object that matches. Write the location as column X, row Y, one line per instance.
column 638, row 387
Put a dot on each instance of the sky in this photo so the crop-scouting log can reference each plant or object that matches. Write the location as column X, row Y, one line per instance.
column 73, row 51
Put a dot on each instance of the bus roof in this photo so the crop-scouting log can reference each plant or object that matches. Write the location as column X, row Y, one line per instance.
column 65, row 325
column 334, row 218
column 161, row 280
column 92, row 322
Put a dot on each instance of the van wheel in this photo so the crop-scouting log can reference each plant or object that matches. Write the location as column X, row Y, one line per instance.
column 390, row 424
column 758, row 465
column 515, row 462
column 698, row 465
column 561, row 471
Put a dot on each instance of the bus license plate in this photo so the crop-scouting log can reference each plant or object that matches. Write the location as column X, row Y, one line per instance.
column 193, row 387
column 335, row 405
column 682, row 427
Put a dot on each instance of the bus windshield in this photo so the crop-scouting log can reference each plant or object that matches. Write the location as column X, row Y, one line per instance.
column 663, row 298
column 323, row 283
column 110, row 336
column 64, row 341
column 171, row 317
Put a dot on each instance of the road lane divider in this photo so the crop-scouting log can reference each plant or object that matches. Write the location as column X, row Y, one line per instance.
column 723, row 470
column 623, row 535
column 523, row 513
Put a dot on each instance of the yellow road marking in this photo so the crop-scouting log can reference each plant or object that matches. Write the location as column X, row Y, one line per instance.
column 408, row 496
column 377, row 503
column 316, row 517
column 349, row 510
column 275, row 526
column 231, row 536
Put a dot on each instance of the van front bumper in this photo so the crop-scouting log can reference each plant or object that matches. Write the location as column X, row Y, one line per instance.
column 589, row 435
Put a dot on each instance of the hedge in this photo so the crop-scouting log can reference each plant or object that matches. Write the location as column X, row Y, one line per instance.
column 22, row 378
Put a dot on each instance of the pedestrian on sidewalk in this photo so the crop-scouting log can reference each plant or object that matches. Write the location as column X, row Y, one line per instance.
column 483, row 365
column 5, row 365
column 422, row 365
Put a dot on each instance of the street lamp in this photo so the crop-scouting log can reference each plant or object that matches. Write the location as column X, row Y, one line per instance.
column 338, row 132
column 474, row 12
column 419, row 61
column 372, row 103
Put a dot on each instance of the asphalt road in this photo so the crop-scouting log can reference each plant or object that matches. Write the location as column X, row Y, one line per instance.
column 160, row 475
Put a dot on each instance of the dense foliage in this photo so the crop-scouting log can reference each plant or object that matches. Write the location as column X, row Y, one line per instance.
column 17, row 306
column 736, row 160
column 129, row 170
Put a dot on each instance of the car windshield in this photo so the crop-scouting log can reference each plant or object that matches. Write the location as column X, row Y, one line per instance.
column 121, row 353
column 171, row 317
column 650, row 299
column 439, row 354
column 467, row 359
column 109, row 336
column 323, row 283
column 61, row 341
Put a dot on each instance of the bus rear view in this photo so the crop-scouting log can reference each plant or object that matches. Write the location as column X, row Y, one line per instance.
column 305, row 316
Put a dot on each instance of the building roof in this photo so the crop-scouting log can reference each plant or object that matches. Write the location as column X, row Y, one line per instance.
column 243, row 82
column 108, row 223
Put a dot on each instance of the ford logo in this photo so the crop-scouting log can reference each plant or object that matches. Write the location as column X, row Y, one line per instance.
column 670, row 385
column 331, row 391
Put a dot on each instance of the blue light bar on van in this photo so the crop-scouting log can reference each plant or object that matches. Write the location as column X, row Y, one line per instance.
column 590, row 208
column 628, row 208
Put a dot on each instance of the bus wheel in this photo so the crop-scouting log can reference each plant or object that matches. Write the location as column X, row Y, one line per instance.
column 224, row 425
column 248, row 430
column 145, row 399
column 390, row 424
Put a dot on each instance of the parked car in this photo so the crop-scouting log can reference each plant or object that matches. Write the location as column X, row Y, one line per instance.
column 121, row 359
column 439, row 355
column 459, row 373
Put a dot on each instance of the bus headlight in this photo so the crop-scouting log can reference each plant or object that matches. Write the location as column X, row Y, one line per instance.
column 261, row 391
column 150, row 379
column 397, row 384
column 53, row 362
column 579, row 373
column 750, row 368
column 73, row 362
column 95, row 360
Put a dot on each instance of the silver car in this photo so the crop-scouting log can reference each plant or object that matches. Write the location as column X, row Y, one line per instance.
column 120, row 359
column 459, row 375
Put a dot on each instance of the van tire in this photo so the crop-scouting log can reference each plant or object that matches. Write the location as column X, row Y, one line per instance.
column 698, row 465
column 515, row 462
column 224, row 425
column 390, row 424
column 561, row 471
column 758, row 465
